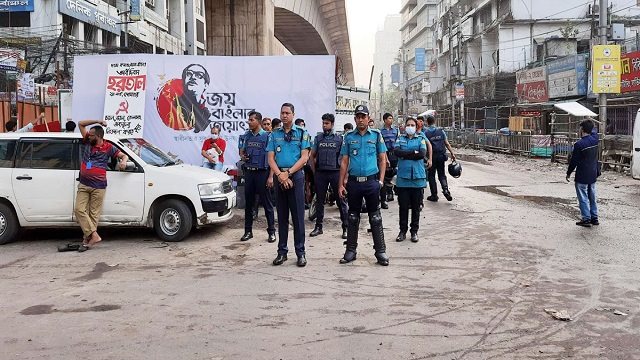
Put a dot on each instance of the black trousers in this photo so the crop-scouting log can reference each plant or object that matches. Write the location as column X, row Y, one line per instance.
column 439, row 167
column 368, row 191
column 256, row 184
column 323, row 180
column 291, row 201
column 409, row 198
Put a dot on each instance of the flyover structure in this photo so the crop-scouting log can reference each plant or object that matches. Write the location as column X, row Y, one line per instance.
column 280, row 27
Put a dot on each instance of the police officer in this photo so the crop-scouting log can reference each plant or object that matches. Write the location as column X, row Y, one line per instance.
column 256, row 175
column 363, row 164
column 411, row 149
column 288, row 152
column 390, row 136
column 440, row 144
column 325, row 163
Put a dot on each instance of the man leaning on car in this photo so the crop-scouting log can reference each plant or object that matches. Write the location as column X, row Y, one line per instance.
column 96, row 154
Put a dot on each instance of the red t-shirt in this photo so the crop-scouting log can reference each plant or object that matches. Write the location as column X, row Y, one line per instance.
column 93, row 169
column 208, row 144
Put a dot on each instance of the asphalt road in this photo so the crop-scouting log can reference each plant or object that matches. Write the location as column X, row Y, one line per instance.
column 476, row 286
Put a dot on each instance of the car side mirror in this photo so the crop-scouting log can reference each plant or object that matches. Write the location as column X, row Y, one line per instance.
column 131, row 166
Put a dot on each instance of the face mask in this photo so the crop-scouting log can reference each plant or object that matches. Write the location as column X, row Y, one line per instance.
column 214, row 137
column 411, row 130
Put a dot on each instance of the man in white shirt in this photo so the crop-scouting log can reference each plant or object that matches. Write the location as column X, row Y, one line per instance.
column 11, row 125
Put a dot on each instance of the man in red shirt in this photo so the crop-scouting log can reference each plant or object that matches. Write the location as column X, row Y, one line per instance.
column 95, row 156
column 213, row 150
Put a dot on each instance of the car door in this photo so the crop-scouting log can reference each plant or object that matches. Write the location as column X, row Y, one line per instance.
column 124, row 199
column 43, row 179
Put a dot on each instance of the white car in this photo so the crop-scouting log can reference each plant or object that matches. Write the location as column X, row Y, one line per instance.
column 39, row 177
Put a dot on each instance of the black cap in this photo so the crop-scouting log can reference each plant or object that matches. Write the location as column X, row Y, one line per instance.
column 362, row 109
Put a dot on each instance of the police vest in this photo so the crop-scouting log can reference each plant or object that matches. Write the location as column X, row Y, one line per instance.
column 328, row 150
column 255, row 148
column 437, row 139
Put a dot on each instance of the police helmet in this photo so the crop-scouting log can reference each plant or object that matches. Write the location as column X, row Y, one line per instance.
column 455, row 169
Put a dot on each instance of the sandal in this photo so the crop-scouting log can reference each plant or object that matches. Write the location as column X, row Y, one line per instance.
column 69, row 247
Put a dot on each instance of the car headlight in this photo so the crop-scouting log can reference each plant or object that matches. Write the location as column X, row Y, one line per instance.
column 210, row 189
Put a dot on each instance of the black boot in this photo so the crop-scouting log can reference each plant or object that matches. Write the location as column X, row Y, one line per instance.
column 316, row 231
column 414, row 237
column 383, row 204
column 375, row 220
column 402, row 236
column 247, row 235
column 352, row 238
column 447, row 194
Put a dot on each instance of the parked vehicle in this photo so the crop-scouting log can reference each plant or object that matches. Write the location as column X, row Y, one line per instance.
column 39, row 177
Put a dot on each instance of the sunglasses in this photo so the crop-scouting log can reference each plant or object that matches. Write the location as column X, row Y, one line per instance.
column 288, row 136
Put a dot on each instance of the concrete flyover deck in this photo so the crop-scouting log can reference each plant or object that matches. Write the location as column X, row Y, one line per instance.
column 279, row 27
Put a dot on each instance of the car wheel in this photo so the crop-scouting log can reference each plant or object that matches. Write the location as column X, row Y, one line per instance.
column 8, row 225
column 172, row 220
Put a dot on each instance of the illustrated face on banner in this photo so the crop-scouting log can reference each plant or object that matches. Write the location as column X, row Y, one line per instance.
column 188, row 95
column 195, row 79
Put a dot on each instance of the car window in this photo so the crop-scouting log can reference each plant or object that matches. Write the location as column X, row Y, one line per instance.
column 7, row 149
column 45, row 154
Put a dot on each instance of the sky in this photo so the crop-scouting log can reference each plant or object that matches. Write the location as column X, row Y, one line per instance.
column 365, row 18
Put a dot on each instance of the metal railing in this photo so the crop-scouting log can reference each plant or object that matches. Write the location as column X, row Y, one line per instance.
column 557, row 146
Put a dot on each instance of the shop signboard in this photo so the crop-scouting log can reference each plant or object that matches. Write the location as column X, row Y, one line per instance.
column 630, row 78
column 567, row 76
column 606, row 69
column 531, row 85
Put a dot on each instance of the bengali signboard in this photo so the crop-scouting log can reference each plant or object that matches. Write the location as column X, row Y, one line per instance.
column 531, row 85
column 567, row 76
column 10, row 59
column 459, row 91
column 606, row 69
column 86, row 12
column 16, row 5
column 630, row 79
column 124, row 102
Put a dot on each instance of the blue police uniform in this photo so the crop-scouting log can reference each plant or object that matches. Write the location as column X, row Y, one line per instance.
column 327, row 148
column 287, row 148
column 363, row 183
column 256, row 172
column 411, row 179
column 390, row 136
column 438, row 137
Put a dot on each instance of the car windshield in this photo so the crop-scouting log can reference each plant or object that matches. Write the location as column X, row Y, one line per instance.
column 149, row 153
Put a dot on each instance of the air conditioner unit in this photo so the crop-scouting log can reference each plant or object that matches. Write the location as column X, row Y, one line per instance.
column 151, row 3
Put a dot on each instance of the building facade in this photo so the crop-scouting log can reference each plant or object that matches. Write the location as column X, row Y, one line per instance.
column 418, row 16
column 387, row 51
column 490, row 47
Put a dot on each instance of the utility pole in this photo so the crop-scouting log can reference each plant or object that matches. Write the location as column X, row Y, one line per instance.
column 381, row 93
column 453, row 76
column 405, row 93
column 459, row 50
column 604, row 25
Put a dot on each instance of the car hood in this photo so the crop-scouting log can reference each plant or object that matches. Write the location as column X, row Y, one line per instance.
column 202, row 175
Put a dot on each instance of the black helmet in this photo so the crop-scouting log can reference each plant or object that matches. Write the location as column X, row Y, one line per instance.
column 455, row 169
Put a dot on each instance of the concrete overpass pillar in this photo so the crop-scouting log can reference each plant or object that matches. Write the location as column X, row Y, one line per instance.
column 239, row 27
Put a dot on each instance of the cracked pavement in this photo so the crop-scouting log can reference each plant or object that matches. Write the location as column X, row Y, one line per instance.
column 476, row 286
